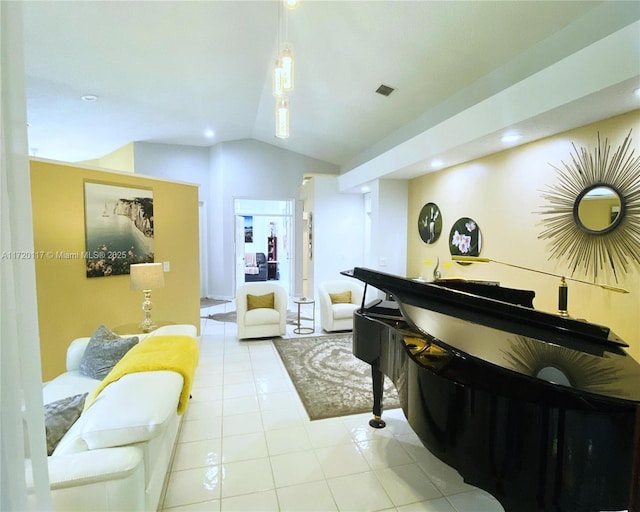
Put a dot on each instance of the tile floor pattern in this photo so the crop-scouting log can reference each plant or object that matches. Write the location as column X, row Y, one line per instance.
column 247, row 444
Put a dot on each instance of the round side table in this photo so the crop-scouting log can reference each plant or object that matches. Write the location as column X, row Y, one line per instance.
column 305, row 330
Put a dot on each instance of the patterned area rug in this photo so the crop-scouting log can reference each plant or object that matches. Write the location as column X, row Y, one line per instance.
column 207, row 303
column 330, row 380
column 232, row 316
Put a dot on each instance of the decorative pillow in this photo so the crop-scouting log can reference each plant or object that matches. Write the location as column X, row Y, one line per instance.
column 59, row 416
column 104, row 350
column 260, row 301
column 340, row 298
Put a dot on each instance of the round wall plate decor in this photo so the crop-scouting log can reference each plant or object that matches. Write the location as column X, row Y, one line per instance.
column 465, row 238
column 430, row 223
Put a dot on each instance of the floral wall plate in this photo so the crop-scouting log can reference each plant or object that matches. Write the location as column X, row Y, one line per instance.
column 430, row 223
column 465, row 238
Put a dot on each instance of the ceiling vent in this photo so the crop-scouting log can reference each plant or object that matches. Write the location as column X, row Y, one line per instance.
column 385, row 90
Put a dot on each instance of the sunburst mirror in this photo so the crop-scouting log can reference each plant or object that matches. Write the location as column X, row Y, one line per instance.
column 592, row 215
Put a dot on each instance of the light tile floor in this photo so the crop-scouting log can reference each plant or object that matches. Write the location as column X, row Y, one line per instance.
column 247, row 444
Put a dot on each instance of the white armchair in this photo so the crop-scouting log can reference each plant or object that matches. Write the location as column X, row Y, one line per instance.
column 258, row 316
column 337, row 314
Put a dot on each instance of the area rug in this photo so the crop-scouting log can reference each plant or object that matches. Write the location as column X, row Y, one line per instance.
column 232, row 316
column 330, row 380
column 207, row 303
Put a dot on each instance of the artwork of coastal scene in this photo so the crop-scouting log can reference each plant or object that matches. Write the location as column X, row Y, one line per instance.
column 119, row 228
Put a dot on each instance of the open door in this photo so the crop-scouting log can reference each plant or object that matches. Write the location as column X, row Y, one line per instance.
column 239, row 253
column 272, row 234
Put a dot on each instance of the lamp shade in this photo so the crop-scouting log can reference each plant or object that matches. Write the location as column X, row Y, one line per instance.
column 147, row 276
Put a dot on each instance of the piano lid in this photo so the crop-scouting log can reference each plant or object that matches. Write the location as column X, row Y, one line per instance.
column 563, row 331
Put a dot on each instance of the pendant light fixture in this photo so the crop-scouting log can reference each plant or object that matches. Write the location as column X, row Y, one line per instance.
column 282, row 117
column 277, row 84
column 286, row 58
column 283, row 71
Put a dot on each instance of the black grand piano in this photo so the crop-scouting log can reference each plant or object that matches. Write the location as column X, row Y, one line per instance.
column 539, row 410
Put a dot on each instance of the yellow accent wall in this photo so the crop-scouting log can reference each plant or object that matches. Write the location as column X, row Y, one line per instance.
column 70, row 305
column 502, row 193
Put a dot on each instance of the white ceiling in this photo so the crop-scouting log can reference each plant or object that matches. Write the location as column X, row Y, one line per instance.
column 167, row 71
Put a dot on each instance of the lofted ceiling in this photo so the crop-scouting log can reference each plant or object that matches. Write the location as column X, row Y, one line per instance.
column 167, row 71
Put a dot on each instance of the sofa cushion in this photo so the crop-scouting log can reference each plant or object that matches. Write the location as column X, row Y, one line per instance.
column 262, row 317
column 68, row 384
column 260, row 301
column 59, row 416
column 133, row 409
column 341, row 311
column 104, row 350
column 341, row 297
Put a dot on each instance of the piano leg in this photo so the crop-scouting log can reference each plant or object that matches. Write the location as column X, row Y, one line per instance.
column 378, row 387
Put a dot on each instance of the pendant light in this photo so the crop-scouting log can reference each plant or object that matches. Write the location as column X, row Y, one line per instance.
column 286, row 58
column 282, row 117
column 278, row 79
column 283, row 71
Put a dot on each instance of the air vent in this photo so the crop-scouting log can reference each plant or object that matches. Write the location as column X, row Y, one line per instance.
column 385, row 90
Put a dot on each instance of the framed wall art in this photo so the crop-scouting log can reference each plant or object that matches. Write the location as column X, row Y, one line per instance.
column 248, row 229
column 119, row 228
column 465, row 238
column 430, row 223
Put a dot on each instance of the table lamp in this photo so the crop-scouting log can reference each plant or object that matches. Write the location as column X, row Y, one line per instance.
column 147, row 277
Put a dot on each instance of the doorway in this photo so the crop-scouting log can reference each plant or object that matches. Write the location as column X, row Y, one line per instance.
column 264, row 241
column 204, row 255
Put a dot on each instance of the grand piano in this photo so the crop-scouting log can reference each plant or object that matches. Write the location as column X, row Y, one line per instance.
column 539, row 410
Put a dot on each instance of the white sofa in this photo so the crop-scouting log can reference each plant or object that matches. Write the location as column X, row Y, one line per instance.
column 339, row 317
column 116, row 456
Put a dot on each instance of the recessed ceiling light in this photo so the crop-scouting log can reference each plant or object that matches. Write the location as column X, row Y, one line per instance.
column 365, row 189
column 209, row 134
column 437, row 163
column 637, row 92
column 511, row 137
column 89, row 98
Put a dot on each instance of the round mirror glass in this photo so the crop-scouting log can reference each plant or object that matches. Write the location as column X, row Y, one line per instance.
column 599, row 209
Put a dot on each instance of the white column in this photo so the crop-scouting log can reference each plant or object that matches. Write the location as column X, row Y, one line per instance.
column 21, row 382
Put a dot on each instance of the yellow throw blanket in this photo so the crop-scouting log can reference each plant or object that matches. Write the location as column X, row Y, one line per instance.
column 174, row 353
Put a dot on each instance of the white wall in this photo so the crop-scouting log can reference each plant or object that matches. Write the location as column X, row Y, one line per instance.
column 389, row 200
column 173, row 162
column 250, row 169
column 246, row 169
column 338, row 231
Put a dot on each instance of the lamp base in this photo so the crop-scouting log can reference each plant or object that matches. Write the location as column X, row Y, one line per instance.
column 147, row 324
column 563, row 298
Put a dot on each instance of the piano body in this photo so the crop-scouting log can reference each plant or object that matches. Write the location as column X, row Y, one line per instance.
column 539, row 410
